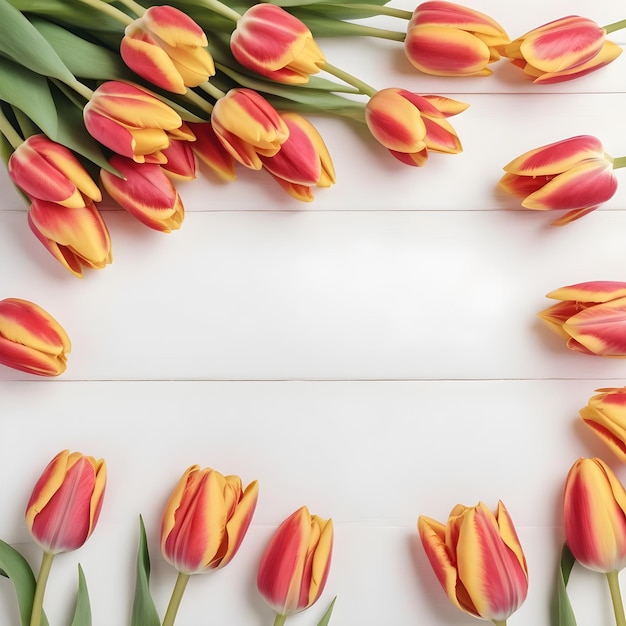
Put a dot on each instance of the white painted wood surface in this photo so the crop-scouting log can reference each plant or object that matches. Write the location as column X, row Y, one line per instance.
column 374, row 355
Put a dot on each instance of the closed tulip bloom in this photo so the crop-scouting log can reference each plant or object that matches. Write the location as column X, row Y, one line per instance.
column 574, row 175
column 65, row 504
column 590, row 316
column 181, row 162
column 605, row 414
column 409, row 125
column 562, row 50
column 206, row 519
column 167, row 48
column 209, row 150
column 303, row 160
column 248, row 126
column 145, row 192
column 133, row 122
column 478, row 560
column 76, row 237
column 447, row 39
column 295, row 565
column 31, row 340
column 273, row 43
column 594, row 515
column 46, row 170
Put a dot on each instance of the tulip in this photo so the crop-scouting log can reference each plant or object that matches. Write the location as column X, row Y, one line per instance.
column 409, row 125
column 31, row 340
column 303, row 160
column 145, row 192
column 478, row 560
column 447, row 39
column 573, row 174
column 248, row 126
column 167, row 48
column 273, row 43
column 133, row 122
column 46, row 170
column 181, row 163
column 590, row 316
column 605, row 414
column 63, row 510
column 210, row 151
column 75, row 237
column 562, row 50
column 295, row 565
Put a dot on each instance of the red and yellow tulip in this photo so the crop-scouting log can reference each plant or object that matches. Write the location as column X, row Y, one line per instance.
column 31, row 340
column 295, row 565
column 409, row 125
column 574, row 175
column 76, row 237
column 181, row 163
column 448, row 39
column 303, row 160
column 273, row 43
column 594, row 515
column 64, row 507
column 248, row 126
column 167, row 48
column 145, row 192
column 562, row 50
column 478, row 560
column 205, row 520
column 605, row 414
column 209, row 150
column 46, row 170
column 133, row 122
column 590, row 316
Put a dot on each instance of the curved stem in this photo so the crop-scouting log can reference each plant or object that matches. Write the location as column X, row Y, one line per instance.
column 611, row 28
column 221, row 9
column 385, row 10
column 352, row 29
column 6, row 129
column 111, row 11
column 177, row 596
column 83, row 90
column 363, row 88
column 619, row 162
column 40, row 588
column 616, row 598
column 279, row 620
column 212, row 90
column 134, row 7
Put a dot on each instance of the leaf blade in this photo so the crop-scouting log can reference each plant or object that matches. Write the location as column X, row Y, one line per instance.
column 144, row 612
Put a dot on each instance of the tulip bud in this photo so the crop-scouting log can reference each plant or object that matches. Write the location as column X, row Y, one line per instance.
column 206, row 519
column 31, row 340
column 594, row 514
column 447, row 39
column 210, row 150
column 590, row 316
column 273, row 43
column 295, row 565
column 573, row 174
column 409, row 125
column 478, row 560
column 562, row 50
column 65, row 504
column 167, row 48
column 605, row 414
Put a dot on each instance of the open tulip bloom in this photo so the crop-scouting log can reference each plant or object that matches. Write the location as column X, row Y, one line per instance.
column 590, row 316
column 574, row 175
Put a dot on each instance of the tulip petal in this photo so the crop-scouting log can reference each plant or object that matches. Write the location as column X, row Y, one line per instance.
column 592, row 291
column 441, row 137
column 209, row 149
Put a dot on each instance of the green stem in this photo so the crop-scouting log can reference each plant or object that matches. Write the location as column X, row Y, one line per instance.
column 498, row 622
column 611, row 28
column 6, row 128
column 385, row 10
column 363, row 88
column 221, row 9
column 83, row 90
column 134, row 7
column 40, row 588
column 109, row 10
column 212, row 90
column 352, row 29
column 619, row 162
column 616, row 597
column 199, row 101
column 279, row 620
column 177, row 596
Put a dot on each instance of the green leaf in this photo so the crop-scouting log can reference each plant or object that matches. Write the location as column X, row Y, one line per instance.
column 561, row 611
column 144, row 612
column 23, row 43
column 29, row 92
column 82, row 613
column 15, row 567
column 329, row 611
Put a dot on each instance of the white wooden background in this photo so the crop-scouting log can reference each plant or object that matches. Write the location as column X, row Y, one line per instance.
column 374, row 355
